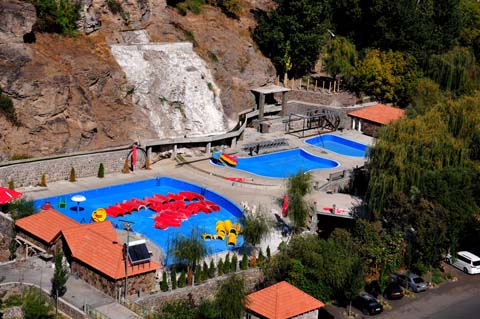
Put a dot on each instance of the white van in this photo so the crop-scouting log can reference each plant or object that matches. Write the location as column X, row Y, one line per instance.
column 465, row 261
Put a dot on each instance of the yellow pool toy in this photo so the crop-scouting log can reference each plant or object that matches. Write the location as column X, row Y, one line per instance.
column 231, row 239
column 228, row 225
column 206, row 236
column 99, row 215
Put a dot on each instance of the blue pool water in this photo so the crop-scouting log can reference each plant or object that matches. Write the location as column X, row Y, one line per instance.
column 339, row 145
column 103, row 197
column 281, row 164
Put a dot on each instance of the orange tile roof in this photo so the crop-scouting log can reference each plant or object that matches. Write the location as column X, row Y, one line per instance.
column 281, row 301
column 46, row 224
column 98, row 246
column 382, row 114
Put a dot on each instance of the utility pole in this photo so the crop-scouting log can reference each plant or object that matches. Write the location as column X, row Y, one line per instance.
column 128, row 227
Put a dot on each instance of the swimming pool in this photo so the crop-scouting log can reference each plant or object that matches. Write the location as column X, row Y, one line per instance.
column 143, row 220
column 339, row 145
column 281, row 164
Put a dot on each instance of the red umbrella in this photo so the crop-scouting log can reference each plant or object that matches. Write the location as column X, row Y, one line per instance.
column 6, row 195
column 134, row 156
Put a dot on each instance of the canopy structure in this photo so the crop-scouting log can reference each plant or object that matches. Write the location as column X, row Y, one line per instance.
column 7, row 195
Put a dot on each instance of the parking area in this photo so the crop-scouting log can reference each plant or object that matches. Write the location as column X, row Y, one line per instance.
column 457, row 298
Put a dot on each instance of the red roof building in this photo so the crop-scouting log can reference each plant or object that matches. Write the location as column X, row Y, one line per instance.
column 94, row 251
column 369, row 119
column 282, row 301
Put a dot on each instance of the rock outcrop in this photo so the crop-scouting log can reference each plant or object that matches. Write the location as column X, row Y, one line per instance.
column 16, row 20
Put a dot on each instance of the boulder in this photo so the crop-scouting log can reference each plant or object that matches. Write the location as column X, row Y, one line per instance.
column 16, row 20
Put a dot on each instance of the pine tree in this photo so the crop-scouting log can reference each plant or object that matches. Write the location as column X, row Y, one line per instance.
column 244, row 262
column 164, row 283
column 268, row 252
column 205, row 270
column 198, row 274
column 233, row 265
column 211, row 269
column 73, row 175
column 261, row 258
column 60, row 276
column 101, row 171
column 226, row 264
column 220, row 267
column 182, row 281
column 173, row 278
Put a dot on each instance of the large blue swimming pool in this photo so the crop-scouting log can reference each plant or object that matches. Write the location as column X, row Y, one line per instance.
column 103, row 197
column 281, row 164
column 339, row 145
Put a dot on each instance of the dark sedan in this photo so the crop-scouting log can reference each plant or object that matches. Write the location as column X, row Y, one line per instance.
column 393, row 291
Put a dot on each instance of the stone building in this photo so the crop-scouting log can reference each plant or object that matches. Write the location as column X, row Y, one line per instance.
column 368, row 120
column 282, row 301
column 93, row 251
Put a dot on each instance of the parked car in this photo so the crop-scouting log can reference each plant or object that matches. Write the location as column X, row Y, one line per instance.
column 393, row 291
column 410, row 281
column 367, row 304
column 465, row 261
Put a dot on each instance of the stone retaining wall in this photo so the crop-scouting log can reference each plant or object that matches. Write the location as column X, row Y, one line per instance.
column 26, row 173
column 205, row 290
column 6, row 227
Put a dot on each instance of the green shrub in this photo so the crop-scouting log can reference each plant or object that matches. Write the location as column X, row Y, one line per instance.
column 11, row 184
column 21, row 207
column 13, row 300
column 211, row 269
column 73, row 175
column 57, row 16
column 198, row 274
column 16, row 157
column 261, row 258
column 182, row 281
column 205, row 271
column 101, row 171
column 35, row 304
column 233, row 264
column 220, row 267
column 173, row 278
column 436, row 276
column 231, row 8
column 269, row 254
column 164, row 283
column 226, row 264
column 114, row 6
column 244, row 262
column 7, row 108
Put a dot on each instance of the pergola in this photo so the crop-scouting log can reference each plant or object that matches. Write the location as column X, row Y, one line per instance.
column 270, row 89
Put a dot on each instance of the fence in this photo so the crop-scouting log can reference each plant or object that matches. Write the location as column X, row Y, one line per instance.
column 93, row 313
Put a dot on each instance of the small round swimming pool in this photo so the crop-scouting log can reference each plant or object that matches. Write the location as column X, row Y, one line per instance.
column 339, row 145
column 281, row 164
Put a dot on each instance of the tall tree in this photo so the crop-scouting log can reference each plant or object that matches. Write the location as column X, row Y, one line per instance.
column 340, row 57
column 255, row 228
column 298, row 186
column 60, row 276
column 35, row 304
column 295, row 30
column 230, row 298
column 188, row 250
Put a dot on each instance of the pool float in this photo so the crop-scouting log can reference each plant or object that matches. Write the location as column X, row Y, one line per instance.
column 228, row 160
column 191, row 196
column 236, row 229
column 174, row 197
column 220, row 234
column 231, row 239
column 206, row 236
column 115, row 211
column 160, row 197
column 133, row 205
column 211, row 206
column 126, row 209
column 285, row 206
column 228, row 225
column 99, row 215
column 140, row 202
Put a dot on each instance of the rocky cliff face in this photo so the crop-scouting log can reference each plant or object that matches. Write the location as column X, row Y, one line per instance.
column 70, row 94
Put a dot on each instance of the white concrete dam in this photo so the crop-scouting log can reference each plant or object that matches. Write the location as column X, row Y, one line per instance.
column 173, row 87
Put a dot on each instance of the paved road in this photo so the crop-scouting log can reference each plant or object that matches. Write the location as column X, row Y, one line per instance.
column 451, row 300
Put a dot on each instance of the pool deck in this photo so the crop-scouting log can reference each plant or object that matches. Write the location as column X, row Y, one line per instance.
column 256, row 190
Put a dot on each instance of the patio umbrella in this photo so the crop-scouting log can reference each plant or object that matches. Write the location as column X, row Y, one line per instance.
column 134, row 156
column 6, row 195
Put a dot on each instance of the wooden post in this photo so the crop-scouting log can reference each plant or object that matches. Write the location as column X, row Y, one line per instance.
column 308, row 83
column 329, row 86
column 323, row 85
column 315, row 85
column 285, row 80
column 293, row 83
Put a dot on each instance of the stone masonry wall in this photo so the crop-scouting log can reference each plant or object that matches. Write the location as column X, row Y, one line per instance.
column 6, row 225
column 205, row 290
column 29, row 172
